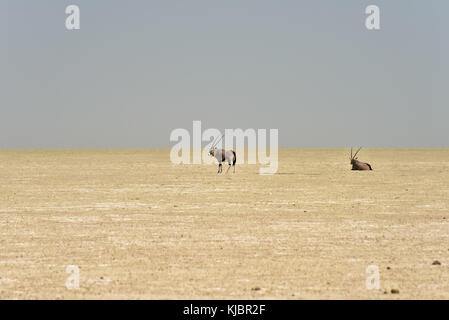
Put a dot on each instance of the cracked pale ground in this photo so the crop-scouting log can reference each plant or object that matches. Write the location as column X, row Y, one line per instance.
column 139, row 227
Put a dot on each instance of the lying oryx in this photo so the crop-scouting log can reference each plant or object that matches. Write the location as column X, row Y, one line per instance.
column 359, row 165
column 223, row 155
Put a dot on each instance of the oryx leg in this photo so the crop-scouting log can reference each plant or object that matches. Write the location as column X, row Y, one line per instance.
column 220, row 168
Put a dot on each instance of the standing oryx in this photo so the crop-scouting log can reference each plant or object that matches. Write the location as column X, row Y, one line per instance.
column 359, row 165
column 223, row 155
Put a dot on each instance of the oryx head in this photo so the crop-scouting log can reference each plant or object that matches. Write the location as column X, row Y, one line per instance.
column 212, row 151
column 213, row 146
column 354, row 158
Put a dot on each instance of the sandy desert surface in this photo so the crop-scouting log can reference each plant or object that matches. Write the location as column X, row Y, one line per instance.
column 139, row 227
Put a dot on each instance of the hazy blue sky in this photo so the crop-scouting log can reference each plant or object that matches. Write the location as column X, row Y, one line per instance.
column 139, row 69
